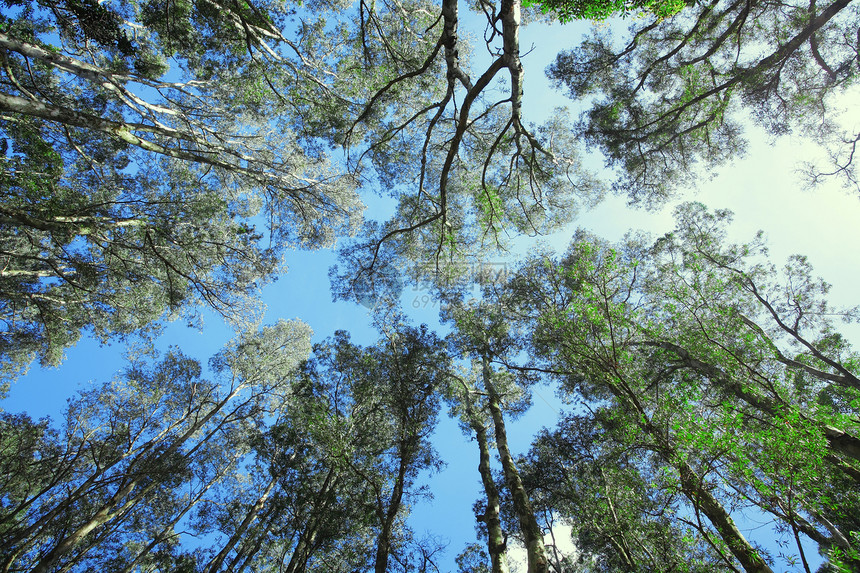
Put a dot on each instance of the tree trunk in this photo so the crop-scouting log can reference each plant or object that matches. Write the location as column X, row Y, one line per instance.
column 383, row 544
column 216, row 563
column 307, row 538
column 532, row 533
column 102, row 516
column 109, row 509
column 496, row 541
column 695, row 489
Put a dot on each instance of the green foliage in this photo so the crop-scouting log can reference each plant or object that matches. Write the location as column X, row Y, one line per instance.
column 569, row 10
column 667, row 103
column 685, row 348
column 253, row 462
column 126, row 200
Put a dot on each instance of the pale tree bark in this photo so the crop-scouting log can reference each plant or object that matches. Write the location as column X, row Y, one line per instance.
column 532, row 533
column 128, row 494
column 497, row 541
column 83, row 225
column 208, row 153
column 105, row 513
column 216, row 563
column 620, row 544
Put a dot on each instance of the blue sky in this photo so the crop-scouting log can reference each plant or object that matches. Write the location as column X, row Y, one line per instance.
column 762, row 189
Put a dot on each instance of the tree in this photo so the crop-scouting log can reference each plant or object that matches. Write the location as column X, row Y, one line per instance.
column 675, row 93
column 459, row 157
column 386, row 400
column 608, row 492
column 335, row 472
column 127, row 196
column 686, row 343
column 473, row 418
column 135, row 456
column 482, row 332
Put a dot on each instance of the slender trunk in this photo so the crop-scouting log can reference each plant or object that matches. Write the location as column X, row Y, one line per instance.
column 246, row 553
column 109, row 509
column 81, row 225
column 383, row 544
column 102, row 516
column 532, row 533
column 60, row 505
column 26, row 273
column 449, row 40
column 496, row 540
column 299, row 559
column 216, row 563
column 166, row 532
column 621, row 546
column 510, row 15
column 623, row 552
column 305, row 545
column 697, row 492
column 693, row 487
column 209, row 153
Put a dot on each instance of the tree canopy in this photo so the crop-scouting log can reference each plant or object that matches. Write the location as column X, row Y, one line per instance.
column 129, row 194
column 160, row 159
column 673, row 95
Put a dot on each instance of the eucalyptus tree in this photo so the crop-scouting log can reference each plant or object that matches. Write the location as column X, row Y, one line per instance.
column 137, row 455
column 384, row 402
column 127, row 192
column 471, row 410
column 731, row 375
column 289, row 513
column 574, row 336
column 677, row 92
column 482, row 333
column 609, row 494
column 457, row 153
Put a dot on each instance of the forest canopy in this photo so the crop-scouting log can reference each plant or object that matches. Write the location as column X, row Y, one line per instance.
column 163, row 159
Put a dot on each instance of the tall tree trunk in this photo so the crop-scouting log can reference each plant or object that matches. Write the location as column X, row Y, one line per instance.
column 107, row 512
column 215, row 564
column 496, row 541
column 109, row 509
column 305, row 544
column 697, row 491
column 532, row 533
column 406, row 451
column 620, row 544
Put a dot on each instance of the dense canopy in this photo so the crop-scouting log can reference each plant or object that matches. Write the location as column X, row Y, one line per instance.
column 165, row 159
